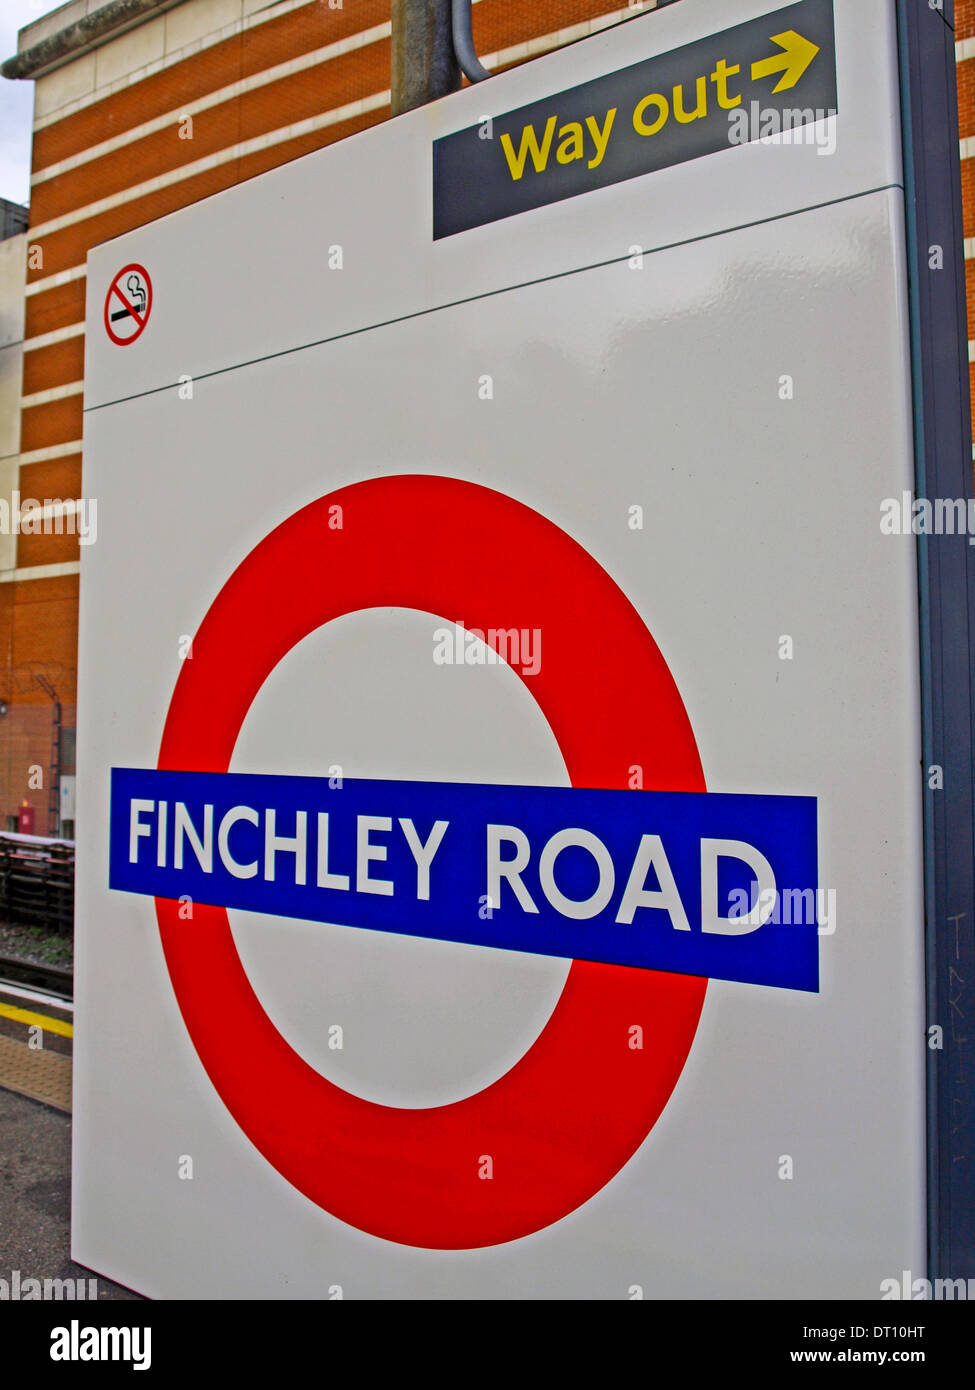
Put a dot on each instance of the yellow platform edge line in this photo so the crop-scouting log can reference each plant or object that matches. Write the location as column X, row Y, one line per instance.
column 53, row 1025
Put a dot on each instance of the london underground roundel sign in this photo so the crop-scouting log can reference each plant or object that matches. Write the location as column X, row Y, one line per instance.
column 576, row 1106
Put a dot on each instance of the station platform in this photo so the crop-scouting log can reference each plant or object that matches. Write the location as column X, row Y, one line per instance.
column 36, row 1033
column 35, row 1154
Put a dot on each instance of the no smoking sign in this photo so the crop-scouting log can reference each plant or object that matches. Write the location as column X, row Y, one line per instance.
column 128, row 305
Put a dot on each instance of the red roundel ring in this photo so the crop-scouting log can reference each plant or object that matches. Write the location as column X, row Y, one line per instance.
column 574, row 1109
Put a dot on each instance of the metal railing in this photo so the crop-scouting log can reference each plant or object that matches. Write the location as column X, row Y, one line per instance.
column 37, row 882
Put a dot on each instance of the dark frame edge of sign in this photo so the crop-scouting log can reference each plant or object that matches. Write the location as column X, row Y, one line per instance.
column 946, row 585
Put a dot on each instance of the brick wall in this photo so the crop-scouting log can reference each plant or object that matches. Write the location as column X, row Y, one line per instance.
column 25, row 753
column 38, row 637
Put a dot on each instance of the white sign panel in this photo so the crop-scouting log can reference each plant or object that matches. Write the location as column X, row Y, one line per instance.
column 499, row 863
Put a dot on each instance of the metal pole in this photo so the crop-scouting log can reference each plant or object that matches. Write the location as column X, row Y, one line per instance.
column 946, row 565
column 424, row 66
column 470, row 63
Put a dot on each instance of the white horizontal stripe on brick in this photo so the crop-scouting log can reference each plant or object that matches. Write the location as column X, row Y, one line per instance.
column 54, row 393
column 236, row 89
column 964, row 49
column 56, row 335
column 545, row 43
column 53, row 451
column 20, row 576
column 51, row 282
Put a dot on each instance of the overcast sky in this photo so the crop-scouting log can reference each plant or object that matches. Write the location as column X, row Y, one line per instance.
column 17, row 100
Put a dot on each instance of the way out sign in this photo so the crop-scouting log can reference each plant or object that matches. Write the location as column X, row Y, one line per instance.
column 468, row 973
column 777, row 71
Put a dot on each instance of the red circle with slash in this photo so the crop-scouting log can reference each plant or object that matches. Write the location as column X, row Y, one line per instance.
column 127, row 306
column 580, row 1101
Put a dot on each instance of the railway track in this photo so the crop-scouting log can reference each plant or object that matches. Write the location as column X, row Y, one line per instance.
column 47, row 979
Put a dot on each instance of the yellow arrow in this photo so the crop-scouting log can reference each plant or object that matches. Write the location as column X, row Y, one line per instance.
column 791, row 63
